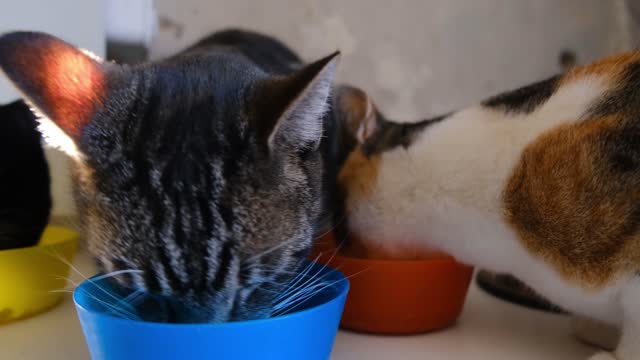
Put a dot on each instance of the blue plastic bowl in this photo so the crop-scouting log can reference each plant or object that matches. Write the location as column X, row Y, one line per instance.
column 308, row 333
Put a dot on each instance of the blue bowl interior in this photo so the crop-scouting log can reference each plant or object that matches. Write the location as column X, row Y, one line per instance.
column 99, row 295
column 306, row 331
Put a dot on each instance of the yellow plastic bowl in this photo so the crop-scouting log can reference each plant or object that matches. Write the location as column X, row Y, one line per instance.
column 30, row 276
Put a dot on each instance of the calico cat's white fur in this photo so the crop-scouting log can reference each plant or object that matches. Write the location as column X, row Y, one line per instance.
column 448, row 188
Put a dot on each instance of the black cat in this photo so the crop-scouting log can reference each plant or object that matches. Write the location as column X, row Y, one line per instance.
column 25, row 193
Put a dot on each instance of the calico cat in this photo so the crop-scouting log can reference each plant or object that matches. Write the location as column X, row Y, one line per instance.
column 542, row 182
column 25, row 189
column 203, row 171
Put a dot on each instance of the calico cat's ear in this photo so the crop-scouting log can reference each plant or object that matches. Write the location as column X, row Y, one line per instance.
column 291, row 108
column 357, row 112
column 64, row 83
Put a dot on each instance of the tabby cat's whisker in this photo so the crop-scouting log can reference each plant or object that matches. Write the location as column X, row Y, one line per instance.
column 323, row 266
column 277, row 271
column 298, row 294
column 77, row 271
column 292, row 294
column 271, row 249
column 66, row 279
column 290, row 297
column 120, row 312
column 335, row 226
column 128, row 300
column 292, row 289
column 287, row 286
column 111, row 308
column 298, row 278
column 306, row 295
column 116, row 273
column 101, row 277
column 301, row 300
column 68, row 291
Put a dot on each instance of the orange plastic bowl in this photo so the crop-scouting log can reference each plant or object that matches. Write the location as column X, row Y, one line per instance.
column 399, row 296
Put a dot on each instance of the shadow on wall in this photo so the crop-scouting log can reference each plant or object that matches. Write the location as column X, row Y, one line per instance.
column 417, row 58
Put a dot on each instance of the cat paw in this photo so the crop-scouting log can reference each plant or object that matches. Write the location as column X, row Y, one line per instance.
column 603, row 356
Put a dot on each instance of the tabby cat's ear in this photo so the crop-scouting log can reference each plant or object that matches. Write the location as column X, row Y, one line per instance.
column 357, row 112
column 290, row 109
column 64, row 83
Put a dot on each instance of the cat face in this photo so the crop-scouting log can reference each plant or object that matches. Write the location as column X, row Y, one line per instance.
column 201, row 173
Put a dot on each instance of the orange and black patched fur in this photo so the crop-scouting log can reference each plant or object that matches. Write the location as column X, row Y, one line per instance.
column 542, row 182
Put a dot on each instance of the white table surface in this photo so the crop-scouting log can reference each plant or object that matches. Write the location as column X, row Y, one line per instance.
column 488, row 329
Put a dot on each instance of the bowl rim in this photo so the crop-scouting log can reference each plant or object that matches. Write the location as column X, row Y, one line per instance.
column 440, row 259
column 325, row 246
column 68, row 235
column 343, row 281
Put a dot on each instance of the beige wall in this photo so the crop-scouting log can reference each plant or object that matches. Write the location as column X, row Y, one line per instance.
column 417, row 57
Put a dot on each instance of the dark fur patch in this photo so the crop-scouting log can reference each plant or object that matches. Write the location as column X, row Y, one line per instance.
column 25, row 195
column 357, row 114
column 525, row 99
column 624, row 97
column 274, row 56
column 389, row 135
column 574, row 196
column 611, row 68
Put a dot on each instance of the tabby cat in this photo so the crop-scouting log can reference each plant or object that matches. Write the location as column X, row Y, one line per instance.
column 542, row 183
column 203, row 171
column 25, row 189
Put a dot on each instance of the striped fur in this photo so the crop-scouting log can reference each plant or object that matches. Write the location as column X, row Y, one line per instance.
column 203, row 170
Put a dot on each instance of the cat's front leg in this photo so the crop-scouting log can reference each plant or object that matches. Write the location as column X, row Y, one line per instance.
column 629, row 346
